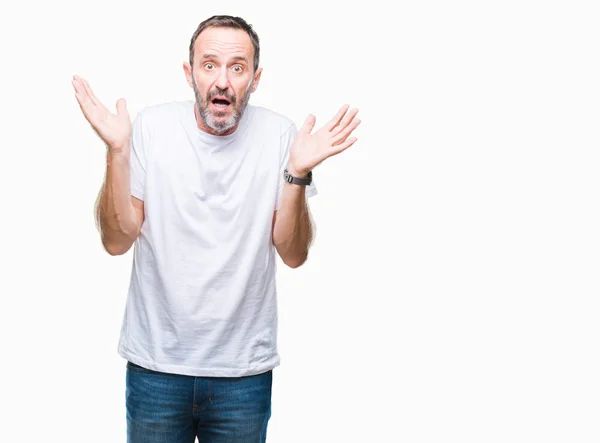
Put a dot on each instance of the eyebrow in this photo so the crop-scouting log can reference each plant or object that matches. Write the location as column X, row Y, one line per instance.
column 235, row 58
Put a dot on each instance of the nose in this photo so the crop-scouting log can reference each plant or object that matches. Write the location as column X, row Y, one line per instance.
column 222, row 80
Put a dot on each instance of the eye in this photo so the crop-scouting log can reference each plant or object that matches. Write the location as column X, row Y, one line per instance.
column 209, row 66
column 238, row 69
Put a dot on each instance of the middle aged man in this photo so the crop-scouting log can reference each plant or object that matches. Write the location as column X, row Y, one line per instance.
column 208, row 191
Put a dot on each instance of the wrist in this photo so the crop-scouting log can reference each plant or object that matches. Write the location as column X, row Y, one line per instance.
column 117, row 157
column 298, row 173
column 119, row 148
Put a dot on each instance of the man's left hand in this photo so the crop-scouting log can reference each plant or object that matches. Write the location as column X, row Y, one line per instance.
column 308, row 150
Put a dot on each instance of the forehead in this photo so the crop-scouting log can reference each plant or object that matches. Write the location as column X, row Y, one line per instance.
column 223, row 42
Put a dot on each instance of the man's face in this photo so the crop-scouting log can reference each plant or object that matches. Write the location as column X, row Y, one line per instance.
column 222, row 77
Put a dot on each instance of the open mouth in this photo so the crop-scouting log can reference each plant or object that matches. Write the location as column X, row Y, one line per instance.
column 220, row 103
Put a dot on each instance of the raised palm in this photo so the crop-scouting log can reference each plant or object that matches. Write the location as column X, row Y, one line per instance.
column 114, row 129
column 310, row 149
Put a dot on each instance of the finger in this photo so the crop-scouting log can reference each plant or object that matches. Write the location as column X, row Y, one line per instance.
column 309, row 124
column 81, row 99
column 85, row 104
column 90, row 110
column 345, row 122
column 81, row 93
column 90, row 92
column 335, row 120
column 78, row 85
column 122, row 107
column 337, row 149
column 95, row 105
column 342, row 136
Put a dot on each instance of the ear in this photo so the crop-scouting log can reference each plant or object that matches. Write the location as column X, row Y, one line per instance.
column 187, row 69
column 256, row 79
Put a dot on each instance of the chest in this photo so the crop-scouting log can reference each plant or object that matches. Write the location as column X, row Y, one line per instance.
column 233, row 183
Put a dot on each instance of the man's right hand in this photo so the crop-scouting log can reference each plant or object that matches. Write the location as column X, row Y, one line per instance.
column 114, row 129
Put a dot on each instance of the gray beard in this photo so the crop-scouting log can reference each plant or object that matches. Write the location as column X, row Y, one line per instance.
column 219, row 125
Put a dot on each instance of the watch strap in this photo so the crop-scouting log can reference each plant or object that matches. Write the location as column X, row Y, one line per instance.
column 296, row 180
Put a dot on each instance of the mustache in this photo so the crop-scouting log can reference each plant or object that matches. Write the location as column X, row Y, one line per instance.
column 222, row 93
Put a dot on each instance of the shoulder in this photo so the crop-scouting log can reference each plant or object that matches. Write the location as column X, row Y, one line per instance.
column 267, row 118
column 161, row 118
column 157, row 119
column 161, row 111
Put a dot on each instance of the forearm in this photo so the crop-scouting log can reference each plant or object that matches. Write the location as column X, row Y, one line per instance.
column 293, row 230
column 115, row 213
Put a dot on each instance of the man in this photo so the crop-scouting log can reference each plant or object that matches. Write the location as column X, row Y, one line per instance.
column 208, row 191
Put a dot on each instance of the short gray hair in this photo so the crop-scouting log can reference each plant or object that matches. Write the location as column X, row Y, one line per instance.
column 227, row 21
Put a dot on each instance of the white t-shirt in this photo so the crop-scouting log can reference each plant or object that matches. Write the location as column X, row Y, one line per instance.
column 202, row 299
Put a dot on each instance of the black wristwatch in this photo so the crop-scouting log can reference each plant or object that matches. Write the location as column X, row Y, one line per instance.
column 298, row 181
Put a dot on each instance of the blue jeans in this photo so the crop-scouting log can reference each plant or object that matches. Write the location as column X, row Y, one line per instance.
column 171, row 408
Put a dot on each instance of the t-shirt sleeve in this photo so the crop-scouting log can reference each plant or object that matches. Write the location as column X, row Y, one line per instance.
column 138, row 158
column 286, row 142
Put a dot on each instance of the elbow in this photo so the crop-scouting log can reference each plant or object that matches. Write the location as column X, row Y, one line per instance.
column 295, row 262
column 119, row 247
column 116, row 249
column 119, row 242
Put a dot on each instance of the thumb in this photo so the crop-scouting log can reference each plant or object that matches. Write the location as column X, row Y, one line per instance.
column 309, row 124
column 122, row 107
